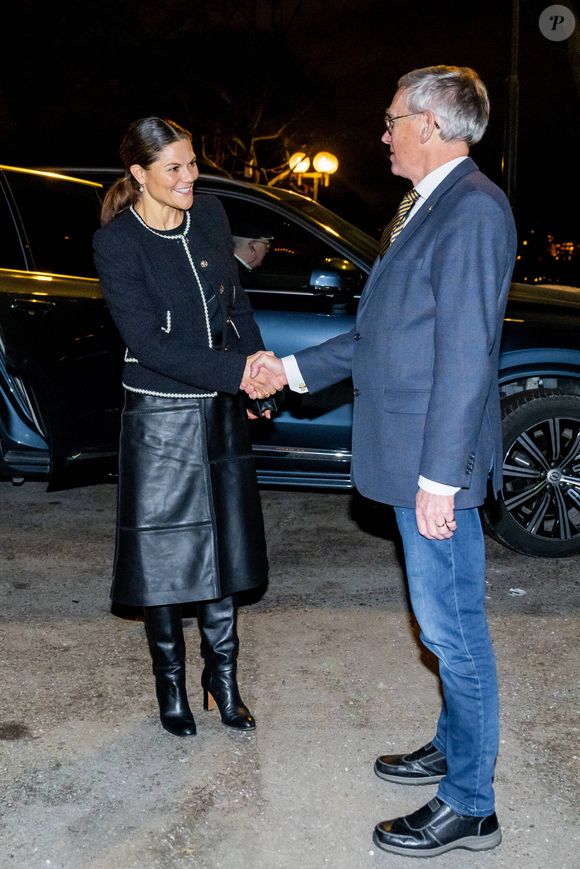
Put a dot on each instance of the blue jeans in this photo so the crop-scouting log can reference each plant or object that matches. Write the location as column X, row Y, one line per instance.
column 446, row 585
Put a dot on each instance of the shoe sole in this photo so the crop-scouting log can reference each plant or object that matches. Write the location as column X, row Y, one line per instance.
column 470, row 843
column 409, row 780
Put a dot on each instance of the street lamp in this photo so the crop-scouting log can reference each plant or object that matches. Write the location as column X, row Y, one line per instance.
column 299, row 162
column 325, row 164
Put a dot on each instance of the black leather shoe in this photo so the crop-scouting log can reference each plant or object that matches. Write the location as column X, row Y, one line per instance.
column 425, row 766
column 435, row 829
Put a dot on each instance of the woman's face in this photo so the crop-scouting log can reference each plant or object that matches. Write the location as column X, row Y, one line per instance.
column 170, row 179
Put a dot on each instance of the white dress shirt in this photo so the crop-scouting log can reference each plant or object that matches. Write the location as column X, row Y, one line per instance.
column 424, row 188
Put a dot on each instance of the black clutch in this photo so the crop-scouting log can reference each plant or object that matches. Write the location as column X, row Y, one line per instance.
column 259, row 405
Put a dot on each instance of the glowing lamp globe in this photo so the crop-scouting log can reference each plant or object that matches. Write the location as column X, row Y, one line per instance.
column 299, row 162
column 325, row 162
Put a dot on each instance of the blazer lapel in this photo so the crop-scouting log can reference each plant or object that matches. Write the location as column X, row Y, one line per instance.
column 413, row 225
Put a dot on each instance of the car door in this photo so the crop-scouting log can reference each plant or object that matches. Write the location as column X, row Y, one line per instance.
column 305, row 292
column 59, row 342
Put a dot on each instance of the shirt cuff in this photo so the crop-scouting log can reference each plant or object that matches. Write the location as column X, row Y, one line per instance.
column 293, row 374
column 437, row 488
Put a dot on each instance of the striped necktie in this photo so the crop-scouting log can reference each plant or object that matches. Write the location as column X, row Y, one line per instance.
column 393, row 228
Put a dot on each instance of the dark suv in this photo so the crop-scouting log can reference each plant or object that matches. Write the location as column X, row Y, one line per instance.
column 60, row 355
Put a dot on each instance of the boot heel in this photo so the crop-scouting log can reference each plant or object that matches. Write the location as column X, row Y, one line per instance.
column 209, row 703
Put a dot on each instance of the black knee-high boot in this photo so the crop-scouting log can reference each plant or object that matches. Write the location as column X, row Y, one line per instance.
column 219, row 647
column 165, row 636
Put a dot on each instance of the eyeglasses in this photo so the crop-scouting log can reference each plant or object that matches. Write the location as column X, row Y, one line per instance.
column 267, row 244
column 390, row 120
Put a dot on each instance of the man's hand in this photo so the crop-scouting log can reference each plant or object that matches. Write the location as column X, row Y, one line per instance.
column 435, row 515
column 266, row 361
column 258, row 380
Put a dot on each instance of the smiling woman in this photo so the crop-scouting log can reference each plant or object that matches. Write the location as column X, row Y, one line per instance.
column 166, row 186
column 160, row 172
column 190, row 525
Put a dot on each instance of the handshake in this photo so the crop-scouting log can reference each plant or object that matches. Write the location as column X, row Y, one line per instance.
column 263, row 375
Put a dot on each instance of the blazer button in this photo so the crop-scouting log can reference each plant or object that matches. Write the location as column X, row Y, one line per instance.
column 356, row 392
column 222, row 289
column 204, row 263
column 356, row 336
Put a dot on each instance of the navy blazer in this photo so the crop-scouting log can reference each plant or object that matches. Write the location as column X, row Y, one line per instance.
column 424, row 351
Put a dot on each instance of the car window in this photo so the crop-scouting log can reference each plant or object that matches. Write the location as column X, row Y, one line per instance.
column 60, row 218
column 296, row 260
column 11, row 253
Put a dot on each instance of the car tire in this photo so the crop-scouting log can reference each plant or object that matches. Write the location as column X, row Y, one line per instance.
column 538, row 510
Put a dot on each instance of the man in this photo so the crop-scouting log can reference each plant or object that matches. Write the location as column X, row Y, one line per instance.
column 251, row 244
column 427, row 430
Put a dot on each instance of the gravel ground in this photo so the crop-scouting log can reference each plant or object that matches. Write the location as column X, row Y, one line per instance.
column 330, row 666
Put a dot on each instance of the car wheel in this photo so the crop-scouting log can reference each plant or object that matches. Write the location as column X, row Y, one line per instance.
column 538, row 511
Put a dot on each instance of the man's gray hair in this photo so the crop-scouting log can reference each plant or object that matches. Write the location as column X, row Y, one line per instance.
column 455, row 94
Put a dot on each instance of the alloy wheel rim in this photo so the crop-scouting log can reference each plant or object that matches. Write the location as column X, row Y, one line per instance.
column 541, row 489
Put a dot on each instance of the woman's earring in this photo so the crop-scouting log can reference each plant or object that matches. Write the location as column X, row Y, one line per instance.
column 141, row 188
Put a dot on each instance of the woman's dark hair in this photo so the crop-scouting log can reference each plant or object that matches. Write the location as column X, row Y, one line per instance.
column 141, row 144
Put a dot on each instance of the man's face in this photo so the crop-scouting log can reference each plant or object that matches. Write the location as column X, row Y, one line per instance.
column 403, row 139
column 261, row 248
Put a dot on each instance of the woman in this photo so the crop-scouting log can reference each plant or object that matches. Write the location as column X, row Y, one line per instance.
column 189, row 524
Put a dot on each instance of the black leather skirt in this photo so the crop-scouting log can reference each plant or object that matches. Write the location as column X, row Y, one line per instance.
column 189, row 521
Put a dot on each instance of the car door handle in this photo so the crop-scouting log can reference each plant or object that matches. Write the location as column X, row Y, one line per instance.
column 27, row 309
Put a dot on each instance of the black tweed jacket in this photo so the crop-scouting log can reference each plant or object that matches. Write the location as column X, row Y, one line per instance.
column 176, row 300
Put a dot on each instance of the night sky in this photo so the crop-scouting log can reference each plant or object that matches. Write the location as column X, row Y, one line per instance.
column 72, row 76
column 362, row 48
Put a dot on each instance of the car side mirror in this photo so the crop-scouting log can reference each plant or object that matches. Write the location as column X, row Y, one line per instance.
column 336, row 278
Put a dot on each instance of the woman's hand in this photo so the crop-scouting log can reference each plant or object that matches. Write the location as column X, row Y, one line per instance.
column 265, row 382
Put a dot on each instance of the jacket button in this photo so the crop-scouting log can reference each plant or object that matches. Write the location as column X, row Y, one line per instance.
column 356, row 336
column 204, row 263
column 222, row 289
column 356, row 392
